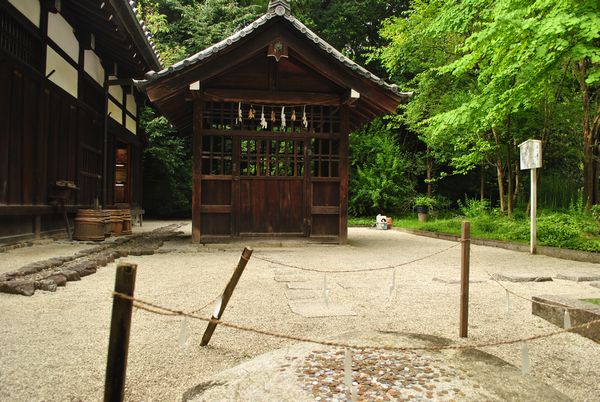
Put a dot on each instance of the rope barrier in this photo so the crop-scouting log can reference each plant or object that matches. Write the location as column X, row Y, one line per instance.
column 165, row 311
column 346, row 271
column 541, row 303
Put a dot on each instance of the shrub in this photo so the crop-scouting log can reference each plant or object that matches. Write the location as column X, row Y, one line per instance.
column 472, row 208
column 557, row 229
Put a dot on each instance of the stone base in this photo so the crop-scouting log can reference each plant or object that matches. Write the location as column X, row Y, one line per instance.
column 580, row 313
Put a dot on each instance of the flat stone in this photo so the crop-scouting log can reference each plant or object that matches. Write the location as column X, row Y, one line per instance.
column 552, row 309
column 46, row 284
column 308, row 285
column 595, row 284
column 320, row 309
column 302, row 294
column 456, row 281
column 290, row 278
column 353, row 284
column 25, row 288
column 579, row 277
column 521, row 278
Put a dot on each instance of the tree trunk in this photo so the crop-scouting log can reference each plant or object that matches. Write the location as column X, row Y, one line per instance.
column 589, row 172
column 499, row 172
column 429, row 173
column 482, row 183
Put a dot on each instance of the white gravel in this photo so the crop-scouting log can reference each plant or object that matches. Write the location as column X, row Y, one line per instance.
column 53, row 346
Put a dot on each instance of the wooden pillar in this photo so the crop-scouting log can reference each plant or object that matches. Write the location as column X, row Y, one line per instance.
column 344, row 171
column 197, row 171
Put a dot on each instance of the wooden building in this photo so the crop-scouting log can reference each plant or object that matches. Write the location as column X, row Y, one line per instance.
column 68, row 109
column 270, row 109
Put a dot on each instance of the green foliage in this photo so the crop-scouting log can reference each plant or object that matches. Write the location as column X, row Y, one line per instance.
column 567, row 230
column 424, row 201
column 383, row 176
column 167, row 169
column 471, row 207
column 596, row 212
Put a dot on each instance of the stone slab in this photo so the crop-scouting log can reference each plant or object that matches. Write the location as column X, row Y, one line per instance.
column 450, row 281
column 552, row 309
column 579, row 277
column 290, row 278
column 320, row 309
column 353, row 284
column 302, row 294
column 309, row 285
column 308, row 372
column 521, row 278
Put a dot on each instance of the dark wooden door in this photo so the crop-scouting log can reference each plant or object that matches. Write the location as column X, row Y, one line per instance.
column 272, row 177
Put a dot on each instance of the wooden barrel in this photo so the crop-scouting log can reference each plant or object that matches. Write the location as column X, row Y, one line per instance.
column 107, row 224
column 116, row 222
column 89, row 225
column 126, row 214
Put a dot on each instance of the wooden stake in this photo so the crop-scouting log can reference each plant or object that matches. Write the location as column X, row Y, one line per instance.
column 464, row 278
column 120, row 326
column 210, row 329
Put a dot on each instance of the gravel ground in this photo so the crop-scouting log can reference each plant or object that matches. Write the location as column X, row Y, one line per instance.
column 54, row 344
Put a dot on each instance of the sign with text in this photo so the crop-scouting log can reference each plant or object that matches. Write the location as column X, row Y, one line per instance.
column 531, row 154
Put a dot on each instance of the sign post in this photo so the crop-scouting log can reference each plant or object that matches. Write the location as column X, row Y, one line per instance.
column 531, row 159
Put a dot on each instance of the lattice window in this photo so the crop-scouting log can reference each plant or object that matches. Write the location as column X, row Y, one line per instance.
column 225, row 116
column 325, row 157
column 217, row 153
column 276, row 158
column 18, row 41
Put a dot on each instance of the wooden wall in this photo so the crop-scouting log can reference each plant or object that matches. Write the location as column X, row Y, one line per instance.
column 45, row 135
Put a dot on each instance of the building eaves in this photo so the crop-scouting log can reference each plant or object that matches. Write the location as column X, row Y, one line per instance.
column 138, row 31
column 248, row 30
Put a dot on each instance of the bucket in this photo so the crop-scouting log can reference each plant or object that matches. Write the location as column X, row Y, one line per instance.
column 107, row 225
column 116, row 221
column 89, row 225
column 126, row 214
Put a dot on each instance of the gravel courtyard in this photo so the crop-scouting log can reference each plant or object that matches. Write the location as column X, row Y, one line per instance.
column 53, row 345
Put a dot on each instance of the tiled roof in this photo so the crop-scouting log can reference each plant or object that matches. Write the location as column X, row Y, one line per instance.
column 274, row 12
column 144, row 30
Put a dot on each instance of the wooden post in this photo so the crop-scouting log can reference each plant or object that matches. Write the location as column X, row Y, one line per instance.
column 532, row 231
column 120, row 325
column 344, row 172
column 464, row 278
column 210, row 329
column 197, row 171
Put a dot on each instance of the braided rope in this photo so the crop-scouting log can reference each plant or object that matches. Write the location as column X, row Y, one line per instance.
column 165, row 311
column 346, row 271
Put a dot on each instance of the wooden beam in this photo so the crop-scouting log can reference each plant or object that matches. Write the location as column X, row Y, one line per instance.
column 272, row 97
column 351, row 98
column 197, row 172
column 344, row 172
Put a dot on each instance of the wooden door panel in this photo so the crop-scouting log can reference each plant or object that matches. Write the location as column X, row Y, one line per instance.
column 291, row 203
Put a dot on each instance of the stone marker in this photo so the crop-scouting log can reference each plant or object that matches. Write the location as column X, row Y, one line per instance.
column 521, row 278
column 320, row 309
column 579, row 277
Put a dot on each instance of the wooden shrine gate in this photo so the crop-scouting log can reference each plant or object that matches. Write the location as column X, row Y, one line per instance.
column 271, row 181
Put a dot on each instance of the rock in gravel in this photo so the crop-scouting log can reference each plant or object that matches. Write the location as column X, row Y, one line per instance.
column 46, row 284
column 25, row 288
column 521, row 278
column 147, row 251
column 579, row 277
column 59, row 279
column 71, row 275
column 32, row 268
